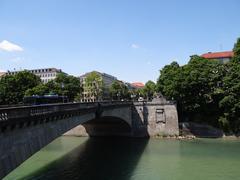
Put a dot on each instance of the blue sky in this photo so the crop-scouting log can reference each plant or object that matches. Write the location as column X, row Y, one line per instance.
column 130, row 39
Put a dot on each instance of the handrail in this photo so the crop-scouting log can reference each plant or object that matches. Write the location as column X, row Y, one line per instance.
column 37, row 110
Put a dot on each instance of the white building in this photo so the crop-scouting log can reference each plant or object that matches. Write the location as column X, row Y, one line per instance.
column 107, row 81
column 2, row 74
column 45, row 75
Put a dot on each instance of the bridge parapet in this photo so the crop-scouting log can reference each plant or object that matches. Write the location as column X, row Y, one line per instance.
column 26, row 111
column 19, row 115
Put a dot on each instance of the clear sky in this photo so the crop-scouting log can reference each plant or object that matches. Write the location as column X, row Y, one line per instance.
column 130, row 39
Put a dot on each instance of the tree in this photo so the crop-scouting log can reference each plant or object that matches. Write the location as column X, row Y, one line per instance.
column 169, row 81
column 206, row 90
column 119, row 90
column 94, row 85
column 149, row 89
column 230, row 103
column 13, row 87
column 63, row 85
column 195, row 86
column 236, row 51
column 40, row 90
column 236, row 48
column 67, row 85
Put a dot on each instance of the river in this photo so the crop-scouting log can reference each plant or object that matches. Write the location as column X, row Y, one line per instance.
column 133, row 159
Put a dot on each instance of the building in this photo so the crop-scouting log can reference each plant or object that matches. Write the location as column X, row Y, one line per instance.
column 130, row 86
column 45, row 75
column 88, row 95
column 223, row 57
column 138, row 85
column 2, row 74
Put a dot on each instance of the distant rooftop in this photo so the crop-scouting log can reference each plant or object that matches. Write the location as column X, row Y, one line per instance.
column 138, row 84
column 103, row 74
column 37, row 70
column 217, row 55
column 2, row 73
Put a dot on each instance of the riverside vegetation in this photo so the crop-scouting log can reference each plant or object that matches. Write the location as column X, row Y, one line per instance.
column 206, row 91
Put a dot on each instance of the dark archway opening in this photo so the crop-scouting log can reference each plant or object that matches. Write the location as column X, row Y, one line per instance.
column 107, row 126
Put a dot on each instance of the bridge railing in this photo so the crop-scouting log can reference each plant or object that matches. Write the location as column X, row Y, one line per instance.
column 28, row 111
column 38, row 110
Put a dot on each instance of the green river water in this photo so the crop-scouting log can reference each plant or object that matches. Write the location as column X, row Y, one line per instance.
column 133, row 159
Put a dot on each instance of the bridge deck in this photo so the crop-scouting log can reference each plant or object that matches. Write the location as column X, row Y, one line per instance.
column 19, row 115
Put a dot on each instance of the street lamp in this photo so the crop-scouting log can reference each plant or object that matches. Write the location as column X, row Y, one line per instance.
column 118, row 95
column 62, row 86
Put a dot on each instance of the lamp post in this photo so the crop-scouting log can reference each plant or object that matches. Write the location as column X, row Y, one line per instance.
column 62, row 86
column 118, row 95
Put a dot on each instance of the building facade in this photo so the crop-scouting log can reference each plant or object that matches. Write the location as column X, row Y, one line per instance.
column 89, row 93
column 46, row 74
column 223, row 57
column 2, row 74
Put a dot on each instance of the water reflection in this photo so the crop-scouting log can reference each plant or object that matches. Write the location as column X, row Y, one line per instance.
column 97, row 158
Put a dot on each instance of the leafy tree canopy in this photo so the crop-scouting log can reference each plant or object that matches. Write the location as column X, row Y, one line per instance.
column 119, row 90
column 94, row 84
column 149, row 90
column 63, row 85
column 206, row 90
column 13, row 87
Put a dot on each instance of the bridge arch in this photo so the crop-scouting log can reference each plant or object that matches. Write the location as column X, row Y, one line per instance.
column 25, row 130
column 107, row 126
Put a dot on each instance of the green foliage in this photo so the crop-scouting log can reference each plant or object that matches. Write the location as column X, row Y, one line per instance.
column 149, row 90
column 195, row 86
column 40, row 90
column 119, row 90
column 94, row 84
column 236, row 48
column 230, row 104
column 67, row 85
column 13, row 87
column 206, row 90
column 63, row 85
column 169, row 80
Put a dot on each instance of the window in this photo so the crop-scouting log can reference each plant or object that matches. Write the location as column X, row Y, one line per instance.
column 160, row 116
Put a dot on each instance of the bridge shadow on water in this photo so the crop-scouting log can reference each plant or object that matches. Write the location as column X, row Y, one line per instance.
column 108, row 158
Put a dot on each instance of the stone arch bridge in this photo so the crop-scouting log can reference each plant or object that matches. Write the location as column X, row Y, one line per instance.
column 25, row 130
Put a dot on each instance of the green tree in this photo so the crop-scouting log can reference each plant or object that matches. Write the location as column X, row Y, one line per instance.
column 236, row 51
column 63, row 85
column 206, row 90
column 13, row 87
column 236, row 48
column 41, row 89
column 196, row 87
column 94, row 85
column 149, row 90
column 119, row 90
column 169, row 81
column 230, row 103
column 67, row 85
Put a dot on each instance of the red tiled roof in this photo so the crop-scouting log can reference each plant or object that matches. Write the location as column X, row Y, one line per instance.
column 138, row 84
column 217, row 55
